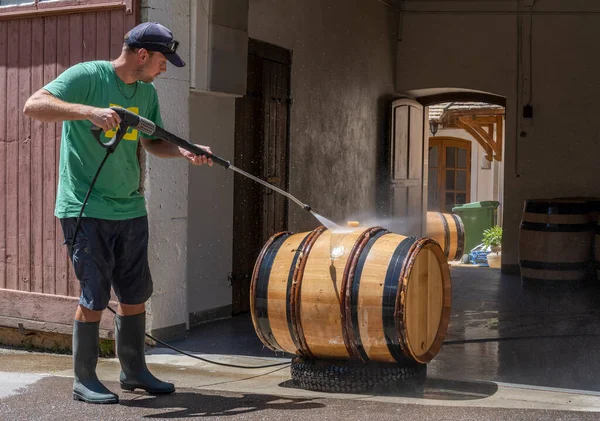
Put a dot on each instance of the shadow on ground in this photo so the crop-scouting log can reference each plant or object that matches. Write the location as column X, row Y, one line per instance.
column 432, row 388
column 187, row 405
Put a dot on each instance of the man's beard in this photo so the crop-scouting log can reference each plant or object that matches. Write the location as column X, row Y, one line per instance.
column 142, row 74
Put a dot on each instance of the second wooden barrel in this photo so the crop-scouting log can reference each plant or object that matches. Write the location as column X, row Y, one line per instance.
column 448, row 230
column 555, row 240
column 363, row 294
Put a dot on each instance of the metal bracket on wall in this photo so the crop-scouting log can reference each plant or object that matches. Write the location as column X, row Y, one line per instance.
column 128, row 7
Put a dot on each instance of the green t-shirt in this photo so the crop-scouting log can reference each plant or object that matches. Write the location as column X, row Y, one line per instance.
column 116, row 194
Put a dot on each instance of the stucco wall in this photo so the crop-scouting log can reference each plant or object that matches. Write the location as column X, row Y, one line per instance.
column 465, row 45
column 210, row 228
column 343, row 65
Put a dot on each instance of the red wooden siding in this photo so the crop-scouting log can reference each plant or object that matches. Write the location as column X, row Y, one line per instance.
column 3, row 154
column 33, row 51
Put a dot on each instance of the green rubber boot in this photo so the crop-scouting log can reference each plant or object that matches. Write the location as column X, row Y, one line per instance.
column 130, row 349
column 86, row 386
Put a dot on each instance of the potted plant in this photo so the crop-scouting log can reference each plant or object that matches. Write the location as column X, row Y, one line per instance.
column 492, row 238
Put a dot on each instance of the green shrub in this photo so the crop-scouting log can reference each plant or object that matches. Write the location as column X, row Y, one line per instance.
column 492, row 238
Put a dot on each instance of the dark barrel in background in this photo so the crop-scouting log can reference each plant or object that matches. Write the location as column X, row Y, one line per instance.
column 555, row 240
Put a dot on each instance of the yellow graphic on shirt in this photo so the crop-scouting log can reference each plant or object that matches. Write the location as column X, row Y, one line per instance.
column 132, row 134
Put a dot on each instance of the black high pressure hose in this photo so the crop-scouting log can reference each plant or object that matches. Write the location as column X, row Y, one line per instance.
column 110, row 148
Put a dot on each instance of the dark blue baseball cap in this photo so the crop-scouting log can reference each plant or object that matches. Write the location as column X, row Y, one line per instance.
column 155, row 37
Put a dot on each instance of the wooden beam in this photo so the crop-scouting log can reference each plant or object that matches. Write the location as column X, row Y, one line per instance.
column 450, row 117
column 499, row 136
column 483, row 120
column 27, row 335
column 477, row 112
column 44, row 312
column 485, row 137
column 487, row 148
column 487, row 119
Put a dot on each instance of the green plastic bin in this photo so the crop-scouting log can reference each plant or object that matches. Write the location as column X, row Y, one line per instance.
column 476, row 218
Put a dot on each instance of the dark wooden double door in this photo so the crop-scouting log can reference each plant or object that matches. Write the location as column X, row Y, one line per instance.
column 261, row 149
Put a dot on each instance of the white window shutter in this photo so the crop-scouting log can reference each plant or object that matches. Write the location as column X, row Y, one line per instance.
column 409, row 135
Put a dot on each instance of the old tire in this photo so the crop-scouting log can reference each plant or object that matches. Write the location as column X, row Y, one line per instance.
column 356, row 377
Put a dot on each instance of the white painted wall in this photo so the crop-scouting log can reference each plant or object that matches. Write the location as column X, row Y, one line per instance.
column 166, row 185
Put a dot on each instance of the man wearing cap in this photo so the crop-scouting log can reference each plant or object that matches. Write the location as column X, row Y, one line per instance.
column 111, row 248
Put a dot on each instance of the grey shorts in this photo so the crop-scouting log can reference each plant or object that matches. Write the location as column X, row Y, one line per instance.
column 110, row 253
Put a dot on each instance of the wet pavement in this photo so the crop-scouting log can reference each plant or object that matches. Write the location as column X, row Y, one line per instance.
column 544, row 336
column 45, row 401
column 510, row 353
column 499, row 331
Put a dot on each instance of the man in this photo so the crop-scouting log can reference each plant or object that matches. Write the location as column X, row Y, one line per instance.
column 111, row 247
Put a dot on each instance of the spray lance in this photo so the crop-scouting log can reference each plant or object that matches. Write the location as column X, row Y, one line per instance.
column 129, row 119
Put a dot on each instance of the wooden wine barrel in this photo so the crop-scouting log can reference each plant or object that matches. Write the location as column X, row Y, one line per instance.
column 363, row 294
column 448, row 230
column 555, row 240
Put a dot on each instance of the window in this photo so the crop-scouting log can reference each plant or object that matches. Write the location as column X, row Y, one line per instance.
column 449, row 173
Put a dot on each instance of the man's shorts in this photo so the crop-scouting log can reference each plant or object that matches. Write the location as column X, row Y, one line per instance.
column 109, row 253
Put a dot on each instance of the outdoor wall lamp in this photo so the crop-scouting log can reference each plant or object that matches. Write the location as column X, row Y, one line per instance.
column 433, row 126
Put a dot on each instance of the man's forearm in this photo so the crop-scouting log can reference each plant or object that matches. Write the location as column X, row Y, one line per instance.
column 45, row 107
column 161, row 148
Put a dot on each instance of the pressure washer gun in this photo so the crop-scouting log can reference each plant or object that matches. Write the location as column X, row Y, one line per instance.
column 129, row 119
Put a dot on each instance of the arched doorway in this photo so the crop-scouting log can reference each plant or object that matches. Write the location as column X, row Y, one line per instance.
column 461, row 136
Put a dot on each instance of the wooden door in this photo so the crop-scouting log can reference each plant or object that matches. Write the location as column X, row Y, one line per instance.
column 408, row 181
column 449, row 173
column 38, row 41
column 261, row 148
